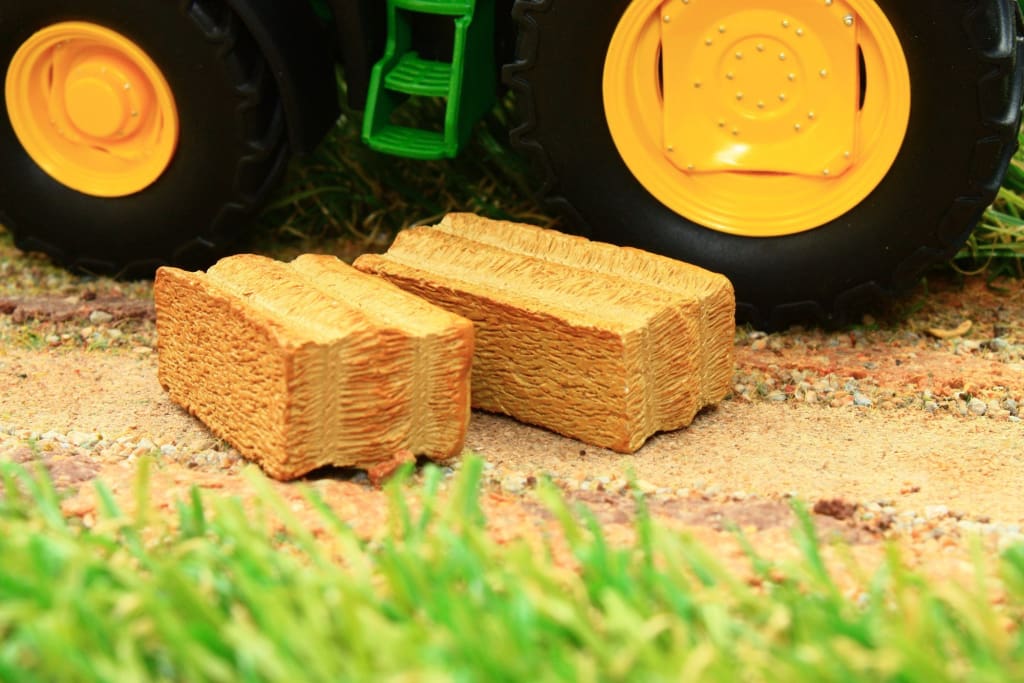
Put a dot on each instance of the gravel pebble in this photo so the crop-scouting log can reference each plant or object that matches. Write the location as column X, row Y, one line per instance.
column 83, row 439
column 645, row 486
column 99, row 447
column 998, row 344
column 862, row 401
column 513, row 482
column 1010, row 406
column 100, row 317
column 977, row 407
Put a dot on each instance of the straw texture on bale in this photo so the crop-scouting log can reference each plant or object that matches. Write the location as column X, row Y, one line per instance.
column 605, row 344
column 311, row 363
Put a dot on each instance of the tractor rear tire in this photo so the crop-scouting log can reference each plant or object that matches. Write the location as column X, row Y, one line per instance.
column 75, row 150
column 965, row 64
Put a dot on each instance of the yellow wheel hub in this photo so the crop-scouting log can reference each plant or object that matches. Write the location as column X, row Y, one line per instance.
column 91, row 109
column 757, row 117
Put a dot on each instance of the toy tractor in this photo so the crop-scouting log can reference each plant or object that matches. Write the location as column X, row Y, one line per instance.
column 820, row 153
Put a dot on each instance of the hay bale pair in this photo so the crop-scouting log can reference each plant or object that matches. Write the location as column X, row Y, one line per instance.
column 317, row 363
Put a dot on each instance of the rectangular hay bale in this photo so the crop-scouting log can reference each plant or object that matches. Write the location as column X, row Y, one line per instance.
column 605, row 344
column 311, row 363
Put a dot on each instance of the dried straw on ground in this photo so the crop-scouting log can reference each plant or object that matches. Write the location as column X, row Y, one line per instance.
column 605, row 344
column 313, row 363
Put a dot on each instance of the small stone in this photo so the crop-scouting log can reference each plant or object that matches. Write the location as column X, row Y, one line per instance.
column 841, row 400
column 645, row 487
column 977, row 407
column 82, row 439
column 931, row 406
column 100, row 317
column 1010, row 406
column 142, row 350
column 616, row 486
column 862, row 401
column 933, row 512
column 513, row 482
column 998, row 344
column 87, row 331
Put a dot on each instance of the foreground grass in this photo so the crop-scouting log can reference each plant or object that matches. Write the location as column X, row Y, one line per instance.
column 213, row 596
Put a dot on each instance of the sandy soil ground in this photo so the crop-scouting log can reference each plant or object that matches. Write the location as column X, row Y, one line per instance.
column 904, row 428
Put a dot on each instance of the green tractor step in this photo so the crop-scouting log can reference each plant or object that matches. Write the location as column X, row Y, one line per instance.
column 466, row 84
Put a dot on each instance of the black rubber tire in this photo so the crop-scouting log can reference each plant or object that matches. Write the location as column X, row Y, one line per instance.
column 965, row 64
column 232, row 145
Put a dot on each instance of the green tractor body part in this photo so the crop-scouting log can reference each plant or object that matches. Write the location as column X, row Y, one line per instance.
column 465, row 82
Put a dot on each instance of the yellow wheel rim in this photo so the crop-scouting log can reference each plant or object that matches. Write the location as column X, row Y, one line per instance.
column 91, row 109
column 750, row 116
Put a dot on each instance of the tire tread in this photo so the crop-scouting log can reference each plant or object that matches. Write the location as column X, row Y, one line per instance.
column 261, row 117
column 999, row 94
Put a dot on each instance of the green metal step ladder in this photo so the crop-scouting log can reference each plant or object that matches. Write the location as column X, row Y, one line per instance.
column 466, row 84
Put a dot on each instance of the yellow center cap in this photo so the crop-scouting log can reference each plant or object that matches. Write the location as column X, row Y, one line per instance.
column 94, row 104
column 760, row 90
